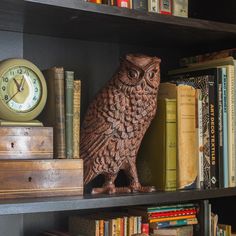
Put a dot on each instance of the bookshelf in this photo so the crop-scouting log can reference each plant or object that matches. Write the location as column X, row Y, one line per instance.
column 87, row 37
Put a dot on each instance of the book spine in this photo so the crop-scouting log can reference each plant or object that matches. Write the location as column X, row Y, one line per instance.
column 140, row 5
column 200, row 182
column 170, row 145
column 180, row 8
column 101, row 227
column 123, row 3
column 69, row 87
column 59, row 114
column 213, row 132
column 76, row 118
column 125, row 226
column 220, row 129
column 106, row 228
column 172, row 218
column 165, row 7
column 139, row 220
column 186, row 160
column 231, row 128
column 171, row 223
column 225, row 127
column 145, row 228
column 153, row 6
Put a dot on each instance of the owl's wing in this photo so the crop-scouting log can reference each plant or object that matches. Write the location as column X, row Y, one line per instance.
column 101, row 133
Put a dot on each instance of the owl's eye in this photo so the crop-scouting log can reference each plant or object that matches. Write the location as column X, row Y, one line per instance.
column 132, row 74
column 151, row 74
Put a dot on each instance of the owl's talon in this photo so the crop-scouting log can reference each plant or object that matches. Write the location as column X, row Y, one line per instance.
column 142, row 189
column 109, row 190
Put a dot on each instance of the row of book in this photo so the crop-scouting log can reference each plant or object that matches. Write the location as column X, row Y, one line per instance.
column 196, row 117
column 176, row 219
column 163, row 219
column 62, row 111
column 167, row 7
column 106, row 224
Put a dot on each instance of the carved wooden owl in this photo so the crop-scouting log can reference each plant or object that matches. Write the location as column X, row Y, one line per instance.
column 116, row 122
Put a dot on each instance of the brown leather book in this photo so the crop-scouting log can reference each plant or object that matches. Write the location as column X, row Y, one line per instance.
column 54, row 111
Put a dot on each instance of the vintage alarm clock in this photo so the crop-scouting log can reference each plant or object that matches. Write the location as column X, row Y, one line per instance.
column 23, row 90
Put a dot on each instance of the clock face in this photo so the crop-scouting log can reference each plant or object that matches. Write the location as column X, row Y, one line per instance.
column 20, row 89
column 23, row 90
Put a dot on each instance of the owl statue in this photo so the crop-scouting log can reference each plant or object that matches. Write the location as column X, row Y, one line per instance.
column 116, row 122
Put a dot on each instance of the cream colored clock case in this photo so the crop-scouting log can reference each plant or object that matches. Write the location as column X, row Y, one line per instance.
column 23, row 90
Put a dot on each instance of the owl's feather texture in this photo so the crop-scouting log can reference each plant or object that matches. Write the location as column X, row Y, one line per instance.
column 118, row 118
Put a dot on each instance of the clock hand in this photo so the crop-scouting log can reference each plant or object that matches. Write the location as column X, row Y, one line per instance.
column 17, row 84
column 21, row 88
column 12, row 96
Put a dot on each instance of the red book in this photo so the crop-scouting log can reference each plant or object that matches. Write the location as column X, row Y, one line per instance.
column 122, row 3
column 165, row 7
column 145, row 228
column 172, row 213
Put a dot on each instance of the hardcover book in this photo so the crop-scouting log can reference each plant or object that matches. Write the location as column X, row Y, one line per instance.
column 53, row 114
column 140, row 5
column 176, row 231
column 76, row 118
column 69, row 90
column 180, row 8
column 158, row 148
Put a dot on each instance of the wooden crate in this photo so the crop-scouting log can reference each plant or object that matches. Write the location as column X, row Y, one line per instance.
column 41, row 178
column 26, row 142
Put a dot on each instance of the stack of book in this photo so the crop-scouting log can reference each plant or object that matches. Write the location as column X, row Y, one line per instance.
column 62, row 111
column 196, row 118
column 214, row 76
column 107, row 224
column 160, row 217
column 166, row 7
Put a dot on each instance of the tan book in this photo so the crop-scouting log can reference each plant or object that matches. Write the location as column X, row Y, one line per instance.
column 76, row 118
column 187, row 162
column 53, row 114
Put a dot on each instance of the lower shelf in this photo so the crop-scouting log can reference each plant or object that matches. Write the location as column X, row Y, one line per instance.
column 52, row 204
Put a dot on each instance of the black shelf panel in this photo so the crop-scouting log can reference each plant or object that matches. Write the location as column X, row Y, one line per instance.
column 54, row 204
column 88, row 21
column 80, row 19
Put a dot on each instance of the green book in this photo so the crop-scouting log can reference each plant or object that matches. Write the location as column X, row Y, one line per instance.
column 69, row 80
column 157, row 156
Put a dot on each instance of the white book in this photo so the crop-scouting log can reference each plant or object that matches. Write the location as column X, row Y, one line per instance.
column 180, row 8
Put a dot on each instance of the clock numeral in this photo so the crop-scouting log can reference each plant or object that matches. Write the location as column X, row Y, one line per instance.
column 5, row 79
column 34, row 81
column 20, row 71
column 6, row 97
column 3, row 88
column 34, row 98
column 36, row 90
column 12, row 73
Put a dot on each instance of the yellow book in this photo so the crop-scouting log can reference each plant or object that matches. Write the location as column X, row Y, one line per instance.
column 76, row 118
column 158, row 148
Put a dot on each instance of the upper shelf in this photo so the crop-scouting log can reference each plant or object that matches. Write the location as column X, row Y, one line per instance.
column 20, row 206
column 83, row 20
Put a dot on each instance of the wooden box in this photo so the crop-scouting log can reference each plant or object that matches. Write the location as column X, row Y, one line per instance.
column 41, row 178
column 26, row 142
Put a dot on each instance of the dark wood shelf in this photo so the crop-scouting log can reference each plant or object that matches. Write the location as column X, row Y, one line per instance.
column 53, row 204
column 88, row 21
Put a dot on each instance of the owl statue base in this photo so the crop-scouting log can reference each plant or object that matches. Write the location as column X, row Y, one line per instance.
column 111, row 189
column 116, row 122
